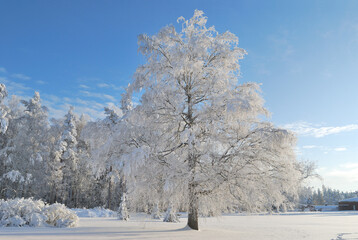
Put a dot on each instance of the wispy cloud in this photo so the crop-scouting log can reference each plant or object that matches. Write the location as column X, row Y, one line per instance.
column 3, row 70
column 310, row 146
column 58, row 106
column 112, row 86
column 324, row 149
column 318, row 131
column 84, row 86
column 20, row 76
column 98, row 95
column 281, row 43
column 40, row 82
column 103, row 85
column 14, row 87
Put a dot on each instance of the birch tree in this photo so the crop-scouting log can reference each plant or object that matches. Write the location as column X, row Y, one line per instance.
column 200, row 128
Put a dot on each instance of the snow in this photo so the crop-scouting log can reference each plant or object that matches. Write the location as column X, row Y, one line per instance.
column 325, row 208
column 14, row 176
column 94, row 212
column 293, row 226
column 350, row 200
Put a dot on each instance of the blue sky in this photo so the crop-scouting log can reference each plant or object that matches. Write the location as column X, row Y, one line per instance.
column 305, row 54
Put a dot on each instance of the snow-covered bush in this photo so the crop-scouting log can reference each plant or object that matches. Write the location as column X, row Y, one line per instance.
column 35, row 213
column 59, row 215
column 20, row 212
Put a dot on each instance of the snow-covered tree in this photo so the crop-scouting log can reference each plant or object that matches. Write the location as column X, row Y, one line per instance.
column 54, row 165
column 104, row 155
column 155, row 214
column 171, row 214
column 71, row 157
column 200, row 129
column 29, row 146
column 122, row 210
column 8, row 148
column 3, row 109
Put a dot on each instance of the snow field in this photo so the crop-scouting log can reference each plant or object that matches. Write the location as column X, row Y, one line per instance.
column 290, row 226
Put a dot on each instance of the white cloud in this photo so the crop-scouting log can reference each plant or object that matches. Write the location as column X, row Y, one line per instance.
column 20, row 76
column 324, row 149
column 84, row 86
column 40, row 82
column 3, row 70
column 310, row 146
column 348, row 175
column 349, row 165
column 343, row 176
column 307, row 129
column 340, row 149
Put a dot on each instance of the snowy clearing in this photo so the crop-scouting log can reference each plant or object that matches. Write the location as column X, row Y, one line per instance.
column 317, row 225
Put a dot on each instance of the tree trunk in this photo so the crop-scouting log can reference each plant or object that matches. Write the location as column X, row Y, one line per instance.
column 109, row 194
column 193, row 220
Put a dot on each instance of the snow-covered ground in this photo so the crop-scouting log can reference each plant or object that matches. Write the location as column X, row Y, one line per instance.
column 315, row 226
column 94, row 212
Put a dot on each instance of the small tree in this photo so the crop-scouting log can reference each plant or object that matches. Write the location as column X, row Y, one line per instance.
column 171, row 215
column 122, row 210
column 155, row 212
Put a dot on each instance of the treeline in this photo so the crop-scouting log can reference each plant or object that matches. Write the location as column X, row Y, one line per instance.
column 324, row 196
column 53, row 159
column 76, row 161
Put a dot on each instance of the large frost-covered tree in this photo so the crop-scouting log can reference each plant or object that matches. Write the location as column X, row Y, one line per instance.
column 201, row 131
